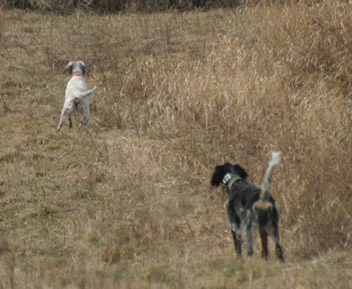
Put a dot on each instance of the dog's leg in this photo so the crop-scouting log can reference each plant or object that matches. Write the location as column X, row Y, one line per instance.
column 263, row 212
column 62, row 118
column 84, row 121
column 236, row 239
column 276, row 238
column 85, row 114
column 264, row 239
column 278, row 249
column 279, row 253
column 65, row 113
column 247, row 237
column 70, row 120
column 235, row 226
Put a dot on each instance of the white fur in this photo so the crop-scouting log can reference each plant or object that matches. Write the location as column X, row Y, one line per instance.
column 266, row 185
column 76, row 94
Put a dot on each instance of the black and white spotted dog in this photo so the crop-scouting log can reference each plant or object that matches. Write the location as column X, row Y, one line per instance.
column 249, row 206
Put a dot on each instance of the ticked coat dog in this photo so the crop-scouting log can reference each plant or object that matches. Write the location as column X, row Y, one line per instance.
column 76, row 94
column 250, row 206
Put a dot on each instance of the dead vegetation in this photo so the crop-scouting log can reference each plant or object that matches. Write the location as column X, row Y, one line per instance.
column 128, row 204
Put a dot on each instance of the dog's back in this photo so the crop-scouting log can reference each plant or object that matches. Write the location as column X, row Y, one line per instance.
column 75, row 84
column 245, row 198
column 77, row 91
column 244, row 194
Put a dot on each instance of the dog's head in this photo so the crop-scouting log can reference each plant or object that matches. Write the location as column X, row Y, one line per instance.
column 76, row 67
column 221, row 171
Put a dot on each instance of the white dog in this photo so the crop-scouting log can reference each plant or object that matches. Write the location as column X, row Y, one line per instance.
column 76, row 94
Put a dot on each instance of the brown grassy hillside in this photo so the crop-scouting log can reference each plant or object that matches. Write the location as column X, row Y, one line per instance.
column 128, row 204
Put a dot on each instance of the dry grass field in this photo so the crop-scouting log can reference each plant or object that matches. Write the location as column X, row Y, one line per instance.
column 128, row 203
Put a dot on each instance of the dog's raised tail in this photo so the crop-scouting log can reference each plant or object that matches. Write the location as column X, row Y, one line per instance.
column 84, row 94
column 266, row 185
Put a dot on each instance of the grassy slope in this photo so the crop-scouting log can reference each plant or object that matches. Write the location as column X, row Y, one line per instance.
column 128, row 204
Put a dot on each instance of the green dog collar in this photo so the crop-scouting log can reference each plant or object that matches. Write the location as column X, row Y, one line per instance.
column 226, row 179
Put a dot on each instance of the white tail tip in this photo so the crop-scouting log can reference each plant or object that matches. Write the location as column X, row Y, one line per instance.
column 275, row 158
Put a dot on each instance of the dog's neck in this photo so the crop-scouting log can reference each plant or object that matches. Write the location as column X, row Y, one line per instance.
column 77, row 74
column 228, row 180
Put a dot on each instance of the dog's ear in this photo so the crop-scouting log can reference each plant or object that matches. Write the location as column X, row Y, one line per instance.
column 240, row 171
column 83, row 67
column 69, row 67
column 218, row 175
